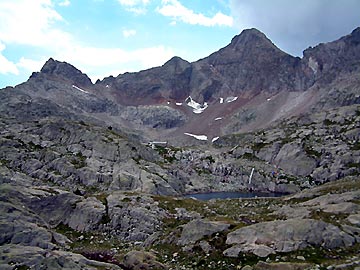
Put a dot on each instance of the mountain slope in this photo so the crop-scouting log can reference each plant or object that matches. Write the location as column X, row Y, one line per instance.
column 244, row 86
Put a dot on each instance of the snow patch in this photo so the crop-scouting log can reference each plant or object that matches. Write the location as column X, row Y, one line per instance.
column 230, row 99
column 221, row 100
column 215, row 139
column 313, row 65
column 107, row 86
column 268, row 99
column 178, row 103
column 197, row 107
column 168, row 102
column 218, row 118
column 81, row 90
column 198, row 137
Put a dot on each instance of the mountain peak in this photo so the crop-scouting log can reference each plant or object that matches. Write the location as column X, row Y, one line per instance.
column 176, row 64
column 355, row 36
column 65, row 70
column 176, row 60
column 250, row 37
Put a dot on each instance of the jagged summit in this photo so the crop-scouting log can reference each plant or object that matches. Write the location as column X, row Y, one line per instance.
column 66, row 71
column 250, row 37
column 249, row 45
column 176, row 64
column 175, row 61
column 355, row 36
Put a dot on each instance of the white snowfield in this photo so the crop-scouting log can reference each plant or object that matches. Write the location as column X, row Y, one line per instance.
column 197, row 108
column 81, row 90
column 230, row 99
column 218, row 118
column 198, row 137
column 221, row 100
column 201, row 137
column 178, row 103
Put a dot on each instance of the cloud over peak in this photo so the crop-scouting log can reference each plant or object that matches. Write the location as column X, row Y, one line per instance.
column 175, row 10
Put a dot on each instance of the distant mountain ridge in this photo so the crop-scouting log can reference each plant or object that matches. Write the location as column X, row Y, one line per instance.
column 267, row 84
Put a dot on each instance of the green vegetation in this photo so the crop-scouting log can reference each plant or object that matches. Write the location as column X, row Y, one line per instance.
column 4, row 162
column 355, row 146
column 328, row 122
column 22, row 267
column 209, row 158
column 250, row 156
column 79, row 161
column 35, row 147
column 168, row 153
column 310, row 151
column 258, row 146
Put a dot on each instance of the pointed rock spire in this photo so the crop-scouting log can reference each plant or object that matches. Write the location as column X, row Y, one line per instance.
column 66, row 71
column 250, row 37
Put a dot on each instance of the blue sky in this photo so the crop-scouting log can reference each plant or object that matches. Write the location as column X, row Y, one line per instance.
column 109, row 37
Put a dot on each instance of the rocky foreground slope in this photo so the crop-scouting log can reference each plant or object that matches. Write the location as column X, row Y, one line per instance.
column 48, row 227
column 92, row 176
column 82, row 196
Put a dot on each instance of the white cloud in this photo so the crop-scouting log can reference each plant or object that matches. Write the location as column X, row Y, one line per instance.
column 133, row 3
column 6, row 66
column 30, row 64
column 135, row 6
column 295, row 25
column 64, row 3
column 33, row 23
column 129, row 32
column 30, row 23
column 175, row 10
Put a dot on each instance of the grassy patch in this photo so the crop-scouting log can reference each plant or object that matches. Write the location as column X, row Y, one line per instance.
column 170, row 203
column 258, row 146
column 250, row 156
column 328, row 217
column 311, row 152
column 4, row 162
column 210, row 159
column 352, row 165
column 168, row 153
column 328, row 122
column 79, row 161
column 35, row 147
column 355, row 146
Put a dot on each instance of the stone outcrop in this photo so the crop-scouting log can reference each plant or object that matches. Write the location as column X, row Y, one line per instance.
column 140, row 260
column 17, row 256
column 268, row 238
column 133, row 218
column 198, row 229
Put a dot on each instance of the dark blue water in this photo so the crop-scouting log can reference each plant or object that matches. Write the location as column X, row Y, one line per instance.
column 231, row 195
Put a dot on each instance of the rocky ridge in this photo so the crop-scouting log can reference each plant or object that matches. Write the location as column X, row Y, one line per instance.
column 326, row 77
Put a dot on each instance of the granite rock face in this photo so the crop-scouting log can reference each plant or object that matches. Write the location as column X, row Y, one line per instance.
column 134, row 218
column 139, row 260
column 198, row 229
column 284, row 236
